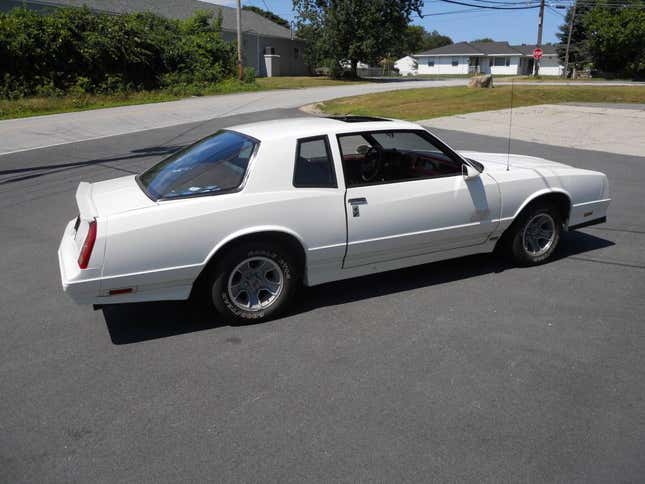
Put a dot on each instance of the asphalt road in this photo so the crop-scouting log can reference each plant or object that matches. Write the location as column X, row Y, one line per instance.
column 464, row 370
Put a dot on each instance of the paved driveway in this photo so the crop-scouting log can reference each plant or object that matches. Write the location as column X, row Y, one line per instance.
column 461, row 371
column 617, row 128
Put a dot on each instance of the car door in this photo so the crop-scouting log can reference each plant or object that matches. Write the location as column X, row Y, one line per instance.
column 407, row 196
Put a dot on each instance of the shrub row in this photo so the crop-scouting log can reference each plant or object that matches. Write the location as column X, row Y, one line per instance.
column 77, row 50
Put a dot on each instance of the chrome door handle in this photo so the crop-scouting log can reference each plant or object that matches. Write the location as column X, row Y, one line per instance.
column 357, row 201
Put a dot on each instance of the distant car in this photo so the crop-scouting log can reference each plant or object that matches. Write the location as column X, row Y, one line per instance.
column 245, row 215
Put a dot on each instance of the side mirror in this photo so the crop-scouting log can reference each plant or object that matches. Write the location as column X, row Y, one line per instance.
column 469, row 172
column 362, row 149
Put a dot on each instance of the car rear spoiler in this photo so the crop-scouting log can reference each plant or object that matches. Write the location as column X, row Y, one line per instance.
column 84, row 201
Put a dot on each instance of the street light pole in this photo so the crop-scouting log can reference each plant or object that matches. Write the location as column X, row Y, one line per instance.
column 240, row 71
column 566, row 55
column 536, row 66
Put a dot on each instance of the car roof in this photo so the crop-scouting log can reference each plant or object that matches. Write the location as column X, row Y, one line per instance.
column 303, row 127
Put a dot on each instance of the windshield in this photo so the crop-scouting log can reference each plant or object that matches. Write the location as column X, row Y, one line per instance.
column 213, row 165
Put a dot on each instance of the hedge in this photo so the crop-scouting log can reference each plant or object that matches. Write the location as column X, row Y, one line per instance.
column 75, row 49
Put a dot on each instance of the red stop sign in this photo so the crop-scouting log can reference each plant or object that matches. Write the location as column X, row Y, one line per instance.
column 537, row 53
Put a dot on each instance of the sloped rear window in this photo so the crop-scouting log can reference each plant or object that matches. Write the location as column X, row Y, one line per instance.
column 213, row 165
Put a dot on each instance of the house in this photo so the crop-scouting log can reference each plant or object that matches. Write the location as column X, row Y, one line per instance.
column 259, row 34
column 407, row 66
column 549, row 63
column 487, row 58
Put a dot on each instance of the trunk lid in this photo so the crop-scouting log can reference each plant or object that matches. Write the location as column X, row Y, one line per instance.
column 110, row 197
column 102, row 199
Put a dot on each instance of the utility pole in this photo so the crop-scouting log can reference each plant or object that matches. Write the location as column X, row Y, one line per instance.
column 240, row 71
column 566, row 55
column 536, row 64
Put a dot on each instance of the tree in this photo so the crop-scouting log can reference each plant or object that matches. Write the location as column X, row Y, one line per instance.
column 365, row 30
column 267, row 14
column 579, row 48
column 483, row 39
column 417, row 39
column 616, row 39
column 608, row 36
column 434, row 39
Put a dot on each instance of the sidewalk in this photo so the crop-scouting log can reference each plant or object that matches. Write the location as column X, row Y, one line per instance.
column 56, row 129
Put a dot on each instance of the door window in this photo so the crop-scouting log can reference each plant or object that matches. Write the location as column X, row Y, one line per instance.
column 394, row 156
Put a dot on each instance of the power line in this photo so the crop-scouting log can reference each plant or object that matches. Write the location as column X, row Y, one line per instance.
column 465, row 10
column 553, row 10
column 456, row 2
column 494, row 2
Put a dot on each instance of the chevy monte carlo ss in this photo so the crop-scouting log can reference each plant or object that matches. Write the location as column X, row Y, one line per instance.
column 242, row 217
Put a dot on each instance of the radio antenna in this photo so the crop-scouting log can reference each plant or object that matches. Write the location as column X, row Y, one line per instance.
column 510, row 126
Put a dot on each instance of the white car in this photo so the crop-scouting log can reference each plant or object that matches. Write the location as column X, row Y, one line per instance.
column 243, row 216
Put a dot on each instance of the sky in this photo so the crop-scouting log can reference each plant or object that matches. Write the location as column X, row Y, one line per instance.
column 516, row 27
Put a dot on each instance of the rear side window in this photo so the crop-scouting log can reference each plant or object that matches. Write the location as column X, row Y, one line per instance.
column 213, row 165
column 314, row 166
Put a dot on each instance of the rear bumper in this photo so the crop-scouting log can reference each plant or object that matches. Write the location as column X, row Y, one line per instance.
column 76, row 284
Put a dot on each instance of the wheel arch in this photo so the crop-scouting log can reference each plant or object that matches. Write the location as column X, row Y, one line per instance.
column 561, row 198
column 282, row 235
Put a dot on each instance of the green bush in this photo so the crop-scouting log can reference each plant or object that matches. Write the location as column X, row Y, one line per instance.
column 75, row 50
column 334, row 69
column 248, row 76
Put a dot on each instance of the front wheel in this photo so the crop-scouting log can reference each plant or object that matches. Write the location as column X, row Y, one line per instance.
column 535, row 235
column 253, row 282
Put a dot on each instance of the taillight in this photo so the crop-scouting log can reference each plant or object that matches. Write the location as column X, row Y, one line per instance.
column 88, row 245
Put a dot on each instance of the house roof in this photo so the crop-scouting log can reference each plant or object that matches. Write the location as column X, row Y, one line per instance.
column 460, row 48
column 527, row 49
column 486, row 49
column 495, row 48
column 178, row 9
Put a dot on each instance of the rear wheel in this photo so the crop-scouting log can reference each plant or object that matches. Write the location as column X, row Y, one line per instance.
column 535, row 235
column 253, row 282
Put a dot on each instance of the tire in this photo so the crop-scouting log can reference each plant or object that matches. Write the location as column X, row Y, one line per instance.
column 535, row 234
column 253, row 282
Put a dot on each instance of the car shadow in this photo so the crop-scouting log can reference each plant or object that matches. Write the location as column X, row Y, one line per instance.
column 27, row 173
column 133, row 323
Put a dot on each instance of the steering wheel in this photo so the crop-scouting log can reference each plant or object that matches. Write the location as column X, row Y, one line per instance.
column 371, row 165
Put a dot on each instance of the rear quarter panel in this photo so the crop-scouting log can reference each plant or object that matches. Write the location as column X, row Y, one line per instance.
column 172, row 241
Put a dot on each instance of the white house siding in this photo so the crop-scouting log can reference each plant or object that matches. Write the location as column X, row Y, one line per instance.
column 550, row 66
column 511, row 69
column 291, row 63
column 407, row 66
column 443, row 65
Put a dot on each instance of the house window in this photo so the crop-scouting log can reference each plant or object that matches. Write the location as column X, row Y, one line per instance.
column 296, row 52
column 502, row 61
column 430, row 61
column 455, row 61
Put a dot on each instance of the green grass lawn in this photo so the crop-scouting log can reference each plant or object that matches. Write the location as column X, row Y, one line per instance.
column 559, row 79
column 35, row 106
column 415, row 104
column 298, row 82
